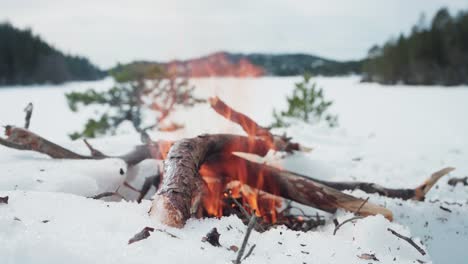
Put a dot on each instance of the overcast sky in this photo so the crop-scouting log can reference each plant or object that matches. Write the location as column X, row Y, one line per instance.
column 111, row 31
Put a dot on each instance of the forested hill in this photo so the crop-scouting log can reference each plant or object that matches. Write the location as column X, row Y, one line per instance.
column 436, row 53
column 226, row 64
column 27, row 59
column 299, row 63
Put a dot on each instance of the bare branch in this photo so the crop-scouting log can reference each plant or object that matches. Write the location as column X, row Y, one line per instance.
column 252, row 222
column 409, row 240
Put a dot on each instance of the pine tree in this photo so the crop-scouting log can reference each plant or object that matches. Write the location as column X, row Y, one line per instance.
column 307, row 103
column 139, row 88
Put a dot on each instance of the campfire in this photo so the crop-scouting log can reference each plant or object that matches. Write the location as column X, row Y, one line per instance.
column 211, row 176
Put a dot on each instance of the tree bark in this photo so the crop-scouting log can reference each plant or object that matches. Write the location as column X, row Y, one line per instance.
column 182, row 188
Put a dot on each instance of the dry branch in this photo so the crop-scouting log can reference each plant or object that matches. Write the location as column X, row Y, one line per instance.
column 23, row 139
column 418, row 193
column 280, row 143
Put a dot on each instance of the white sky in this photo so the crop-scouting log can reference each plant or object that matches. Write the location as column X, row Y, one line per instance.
column 111, row 31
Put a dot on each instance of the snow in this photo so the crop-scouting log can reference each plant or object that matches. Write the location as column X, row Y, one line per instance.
column 392, row 135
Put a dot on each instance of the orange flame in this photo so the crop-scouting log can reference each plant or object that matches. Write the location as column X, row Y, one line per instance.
column 239, row 185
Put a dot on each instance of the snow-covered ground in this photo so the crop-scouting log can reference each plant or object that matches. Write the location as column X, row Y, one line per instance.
column 395, row 136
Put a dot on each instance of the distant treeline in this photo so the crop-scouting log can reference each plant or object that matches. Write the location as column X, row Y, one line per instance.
column 431, row 54
column 298, row 64
column 27, row 59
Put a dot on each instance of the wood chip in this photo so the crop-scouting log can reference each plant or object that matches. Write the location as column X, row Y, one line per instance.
column 367, row 256
column 143, row 234
column 4, row 200
column 213, row 237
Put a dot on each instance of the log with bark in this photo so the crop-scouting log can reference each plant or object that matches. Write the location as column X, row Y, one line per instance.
column 189, row 163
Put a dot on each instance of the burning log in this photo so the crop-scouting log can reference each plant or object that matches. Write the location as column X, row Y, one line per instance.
column 182, row 188
column 417, row 193
column 287, row 185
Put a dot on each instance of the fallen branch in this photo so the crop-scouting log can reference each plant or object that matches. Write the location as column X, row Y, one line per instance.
column 409, row 240
column 418, row 193
column 23, row 139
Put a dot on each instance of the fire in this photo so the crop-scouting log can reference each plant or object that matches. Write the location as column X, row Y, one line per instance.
column 239, row 189
column 215, row 65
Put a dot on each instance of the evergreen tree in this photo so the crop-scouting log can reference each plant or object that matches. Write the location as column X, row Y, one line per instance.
column 307, row 103
column 140, row 88
column 27, row 59
column 431, row 54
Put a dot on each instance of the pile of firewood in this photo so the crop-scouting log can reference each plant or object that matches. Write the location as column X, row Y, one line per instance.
column 206, row 176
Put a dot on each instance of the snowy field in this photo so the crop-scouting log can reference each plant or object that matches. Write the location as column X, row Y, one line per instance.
column 395, row 136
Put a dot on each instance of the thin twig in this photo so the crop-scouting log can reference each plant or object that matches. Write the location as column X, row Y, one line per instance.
column 106, row 194
column 94, row 152
column 241, row 208
column 164, row 231
column 250, row 251
column 252, row 222
column 244, row 212
column 149, row 181
column 363, row 203
column 337, row 226
column 28, row 110
column 409, row 240
column 346, row 221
